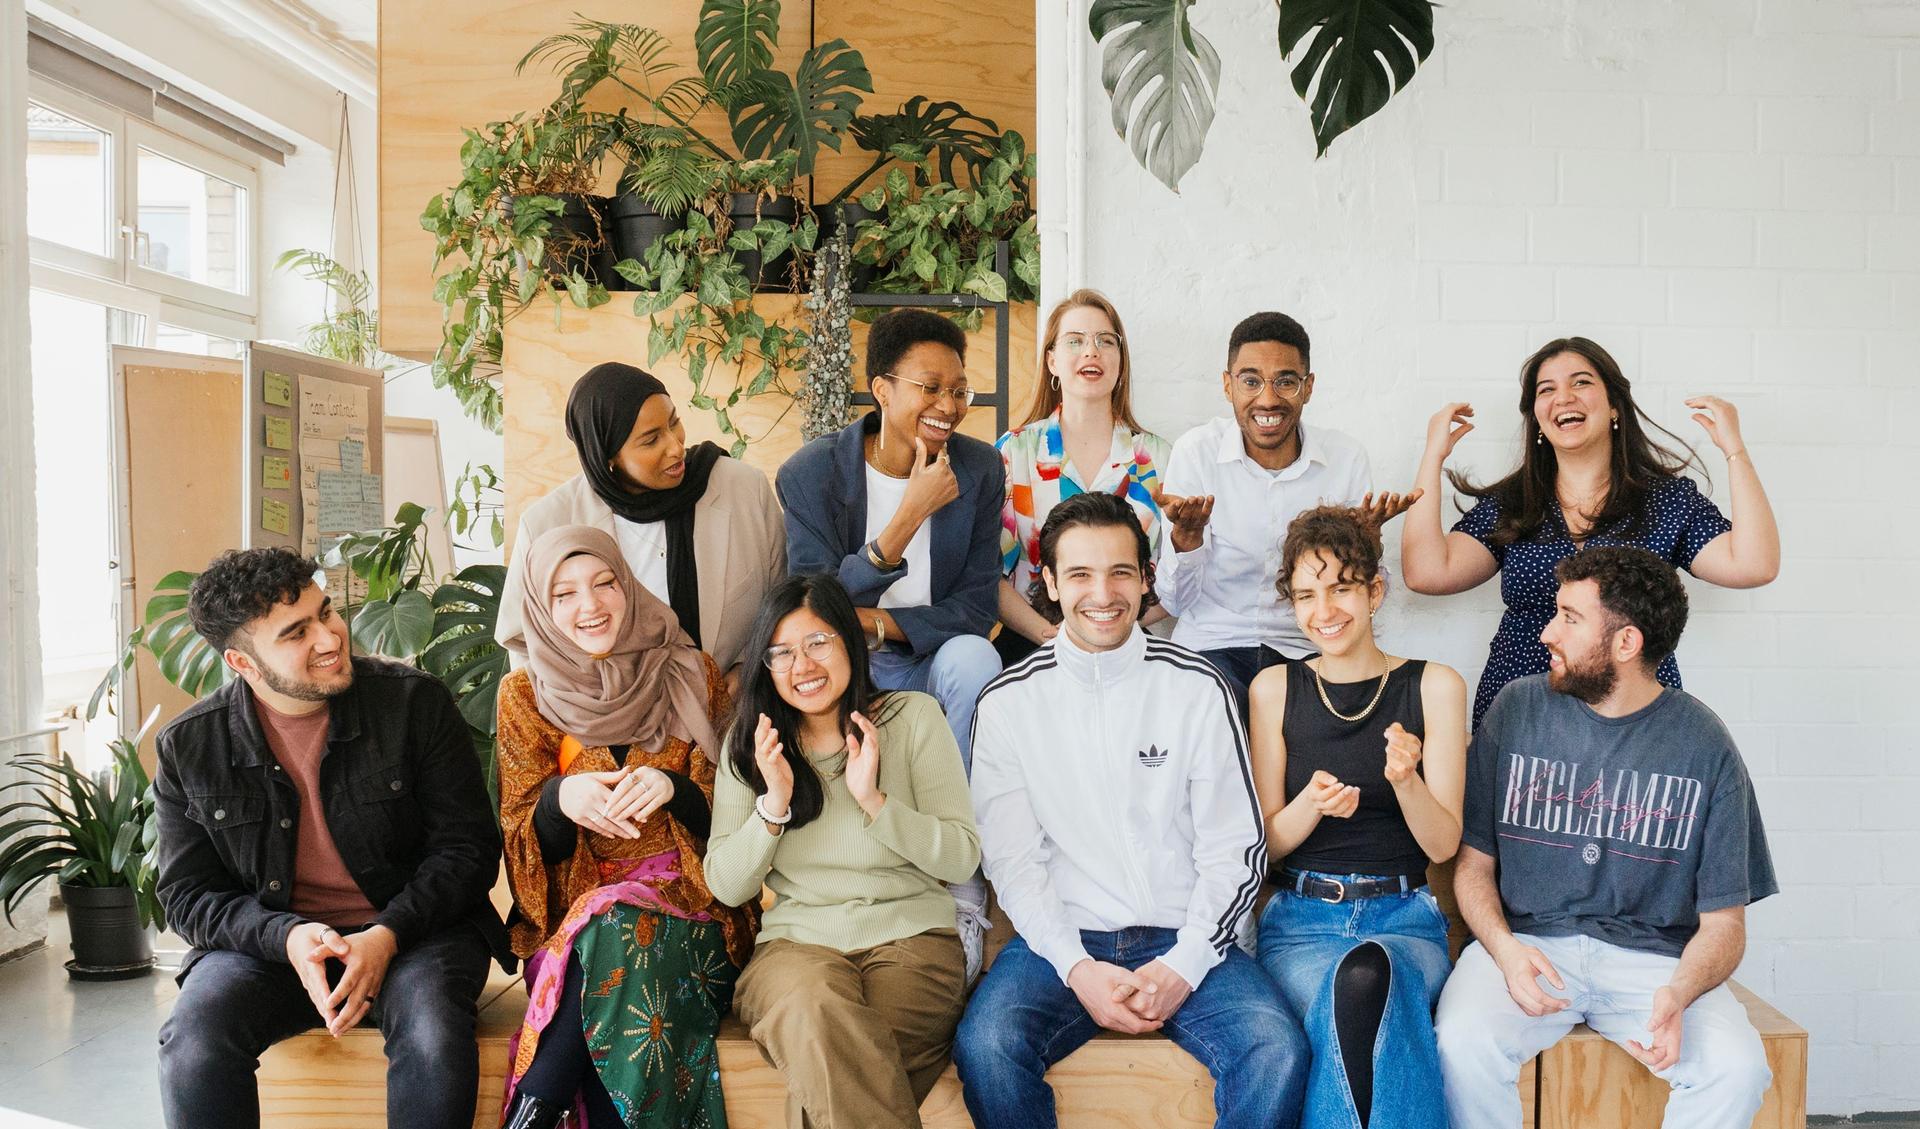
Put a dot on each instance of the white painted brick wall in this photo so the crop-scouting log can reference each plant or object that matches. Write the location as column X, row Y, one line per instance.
column 1726, row 193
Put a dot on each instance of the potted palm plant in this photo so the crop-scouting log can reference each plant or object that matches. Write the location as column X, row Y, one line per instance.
column 94, row 836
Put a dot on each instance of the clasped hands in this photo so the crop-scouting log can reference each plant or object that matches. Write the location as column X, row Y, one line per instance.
column 364, row 957
column 615, row 803
column 1131, row 1002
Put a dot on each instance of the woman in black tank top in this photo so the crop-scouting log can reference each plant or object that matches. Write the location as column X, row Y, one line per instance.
column 1360, row 761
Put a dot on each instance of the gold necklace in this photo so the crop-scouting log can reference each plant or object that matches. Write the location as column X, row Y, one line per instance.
column 1378, row 691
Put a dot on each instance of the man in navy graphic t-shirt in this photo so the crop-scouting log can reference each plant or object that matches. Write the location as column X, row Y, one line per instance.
column 1611, row 845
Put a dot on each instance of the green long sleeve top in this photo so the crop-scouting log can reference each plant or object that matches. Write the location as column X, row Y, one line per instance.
column 843, row 880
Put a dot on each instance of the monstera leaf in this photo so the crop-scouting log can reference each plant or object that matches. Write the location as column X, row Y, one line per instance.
column 943, row 131
column 1164, row 122
column 778, row 115
column 464, row 655
column 734, row 43
column 398, row 626
column 1362, row 51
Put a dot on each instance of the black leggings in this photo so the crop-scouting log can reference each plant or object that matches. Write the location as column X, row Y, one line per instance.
column 1360, row 987
column 563, row 1067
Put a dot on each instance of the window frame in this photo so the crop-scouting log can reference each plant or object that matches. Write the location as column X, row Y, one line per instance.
column 112, row 122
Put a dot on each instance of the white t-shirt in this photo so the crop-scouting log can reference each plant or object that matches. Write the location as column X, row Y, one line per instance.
column 644, row 544
column 915, row 589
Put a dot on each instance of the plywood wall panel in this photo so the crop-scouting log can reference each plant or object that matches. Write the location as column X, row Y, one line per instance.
column 978, row 53
column 446, row 67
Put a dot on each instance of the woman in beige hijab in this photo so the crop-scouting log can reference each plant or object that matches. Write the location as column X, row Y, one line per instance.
column 606, row 745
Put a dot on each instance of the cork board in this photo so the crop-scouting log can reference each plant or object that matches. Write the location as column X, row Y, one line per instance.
column 179, row 418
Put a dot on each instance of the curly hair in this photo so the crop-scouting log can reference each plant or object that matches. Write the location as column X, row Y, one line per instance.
column 1270, row 326
column 892, row 334
column 1636, row 588
column 1342, row 534
column 1094, row 511
column 240, row 586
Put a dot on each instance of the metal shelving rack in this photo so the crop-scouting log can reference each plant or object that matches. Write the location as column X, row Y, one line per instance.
column 998, row 398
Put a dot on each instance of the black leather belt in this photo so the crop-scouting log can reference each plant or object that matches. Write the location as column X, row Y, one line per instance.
column 1335, row 890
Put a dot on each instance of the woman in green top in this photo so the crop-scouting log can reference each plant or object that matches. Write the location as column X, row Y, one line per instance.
column 852, row 805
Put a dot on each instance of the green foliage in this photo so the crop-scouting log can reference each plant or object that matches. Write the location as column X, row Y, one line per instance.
column 936, row 238
column 775, row 114
column 1162, row 76
column 1361, row 52
column 734, row 42
column 350, row 331
column 476, row 505
column 96, row 831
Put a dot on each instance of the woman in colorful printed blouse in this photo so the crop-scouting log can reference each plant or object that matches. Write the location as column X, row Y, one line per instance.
column 1079, row 437
column 606, row 741
column 1589, row 474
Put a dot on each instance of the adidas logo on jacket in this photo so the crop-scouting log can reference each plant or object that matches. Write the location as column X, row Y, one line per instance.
column 1112, row 790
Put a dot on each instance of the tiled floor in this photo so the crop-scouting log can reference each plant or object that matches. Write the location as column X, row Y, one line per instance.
column 79, row 1056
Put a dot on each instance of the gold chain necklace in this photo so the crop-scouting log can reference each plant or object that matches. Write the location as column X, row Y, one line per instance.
column 1378, row 691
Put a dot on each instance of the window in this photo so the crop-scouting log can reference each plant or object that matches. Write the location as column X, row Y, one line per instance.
column 119, row 199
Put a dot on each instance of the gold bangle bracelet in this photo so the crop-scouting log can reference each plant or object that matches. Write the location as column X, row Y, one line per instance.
column 1741, row 453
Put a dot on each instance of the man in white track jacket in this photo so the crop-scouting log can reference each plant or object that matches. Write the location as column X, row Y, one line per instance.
column 1119, row 825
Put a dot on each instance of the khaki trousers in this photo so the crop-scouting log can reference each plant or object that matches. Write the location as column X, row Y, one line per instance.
column 860, row 1037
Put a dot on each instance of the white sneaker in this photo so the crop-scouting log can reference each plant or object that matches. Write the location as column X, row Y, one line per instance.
column 970, row 918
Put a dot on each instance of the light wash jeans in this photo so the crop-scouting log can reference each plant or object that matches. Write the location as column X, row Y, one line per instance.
column 1302, row 941
column 954, row 674
column 1719, row 1082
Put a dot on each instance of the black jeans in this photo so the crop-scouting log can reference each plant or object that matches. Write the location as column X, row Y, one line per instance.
column 1240, row 664
column 232, row 1007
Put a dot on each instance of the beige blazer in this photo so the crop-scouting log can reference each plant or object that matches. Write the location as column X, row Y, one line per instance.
column 737, row 532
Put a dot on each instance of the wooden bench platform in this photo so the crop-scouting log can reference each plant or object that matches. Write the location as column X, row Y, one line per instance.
column 1114, row 1082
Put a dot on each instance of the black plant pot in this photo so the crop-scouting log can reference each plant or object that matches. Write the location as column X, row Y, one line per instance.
column 635, row 227
column 578, row 238
column 745, row 209
column 109, row 942
column 860, row 275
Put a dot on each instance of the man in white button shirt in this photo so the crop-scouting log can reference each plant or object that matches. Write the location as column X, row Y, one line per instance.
column 1232, row 487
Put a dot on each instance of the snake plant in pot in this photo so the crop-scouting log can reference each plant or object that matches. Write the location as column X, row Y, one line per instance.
column 95, row 836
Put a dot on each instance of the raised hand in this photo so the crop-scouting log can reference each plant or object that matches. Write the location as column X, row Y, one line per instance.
column 770, row 758
column 1387, row 505
column 1721, row 421
column 863, row 766
column 1188, row 518
column 1330, row 797
column 1447, row 427
column 1403, row 754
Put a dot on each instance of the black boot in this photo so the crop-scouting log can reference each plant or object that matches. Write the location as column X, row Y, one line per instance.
column 529, row 1112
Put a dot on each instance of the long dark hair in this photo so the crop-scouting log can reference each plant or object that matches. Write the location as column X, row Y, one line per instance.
column 823, row 595
column 1637, row 461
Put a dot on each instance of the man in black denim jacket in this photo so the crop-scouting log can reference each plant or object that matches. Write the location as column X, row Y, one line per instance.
column 326, row 846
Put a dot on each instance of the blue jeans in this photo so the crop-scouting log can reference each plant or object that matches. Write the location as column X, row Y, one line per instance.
column 1302, row 942
column 1023, row 1019
column 233, row 1006
column 954, row 674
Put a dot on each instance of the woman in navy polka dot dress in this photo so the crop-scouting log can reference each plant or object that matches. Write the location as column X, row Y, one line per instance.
column 1589, row 475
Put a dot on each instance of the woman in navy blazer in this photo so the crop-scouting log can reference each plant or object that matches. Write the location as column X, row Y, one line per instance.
column 906, row 512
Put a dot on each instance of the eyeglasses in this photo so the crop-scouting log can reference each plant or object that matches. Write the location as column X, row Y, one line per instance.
column 1075, row 342
column 1287, row 384
column 961, row 396
column 818, row 646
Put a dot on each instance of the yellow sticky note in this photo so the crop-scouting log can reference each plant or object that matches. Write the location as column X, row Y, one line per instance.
column 279, row 389
column 276, row 473
column 280, row 433
column 275, row 516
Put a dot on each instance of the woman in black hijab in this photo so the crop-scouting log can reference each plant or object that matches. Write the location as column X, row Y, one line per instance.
column 701, row 531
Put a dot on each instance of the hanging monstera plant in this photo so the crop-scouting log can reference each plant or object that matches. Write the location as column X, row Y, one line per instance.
column 1348, row 58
